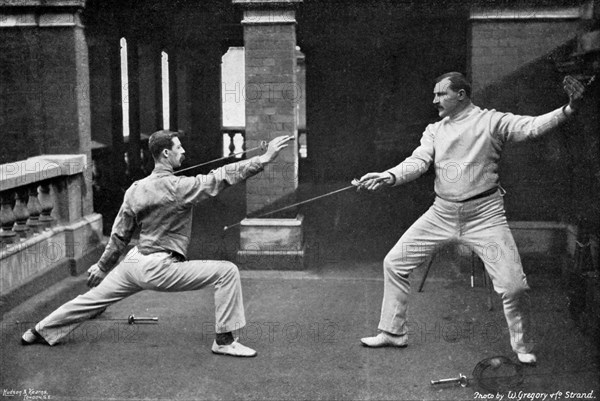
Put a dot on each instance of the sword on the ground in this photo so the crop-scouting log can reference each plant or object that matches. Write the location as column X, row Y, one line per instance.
column 494, row 374
column 132, row 319
column 461, row 379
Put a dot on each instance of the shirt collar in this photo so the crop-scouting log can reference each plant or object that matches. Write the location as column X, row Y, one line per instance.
column 463, row 113
column 160, row 168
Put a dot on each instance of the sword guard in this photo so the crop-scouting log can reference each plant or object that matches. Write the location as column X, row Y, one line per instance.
column 357, row 184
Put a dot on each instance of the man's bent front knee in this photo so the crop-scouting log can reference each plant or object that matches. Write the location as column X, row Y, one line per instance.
column 392, row 264
column 514, row 290
column 230, row 270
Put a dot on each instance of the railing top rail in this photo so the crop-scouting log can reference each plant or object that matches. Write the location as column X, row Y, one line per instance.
column 39, row 168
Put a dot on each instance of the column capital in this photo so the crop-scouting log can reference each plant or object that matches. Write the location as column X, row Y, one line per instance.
column 43, row 3
column 486, row 13
column 41, row 13
column 268, row 11
column 272, row 16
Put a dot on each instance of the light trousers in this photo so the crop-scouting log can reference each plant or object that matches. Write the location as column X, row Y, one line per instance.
column 159, row 272
column 481, row 225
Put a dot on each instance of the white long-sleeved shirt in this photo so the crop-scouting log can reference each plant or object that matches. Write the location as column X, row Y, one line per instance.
column 466, row 149
column 160, row 206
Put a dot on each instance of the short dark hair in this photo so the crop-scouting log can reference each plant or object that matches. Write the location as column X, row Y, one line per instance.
column 457, row 82
column 160, row 140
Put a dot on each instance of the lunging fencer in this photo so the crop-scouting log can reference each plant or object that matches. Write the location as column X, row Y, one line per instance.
column 468, row 206
column 160, row 206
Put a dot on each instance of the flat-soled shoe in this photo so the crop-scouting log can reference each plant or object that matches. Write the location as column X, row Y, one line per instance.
column 32, row 337
column 233, row 349
column 384, row 339
column 527, row 358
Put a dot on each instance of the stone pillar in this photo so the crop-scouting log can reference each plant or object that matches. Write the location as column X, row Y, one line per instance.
column 271, row 94
column 44, row 87
column 45, row 109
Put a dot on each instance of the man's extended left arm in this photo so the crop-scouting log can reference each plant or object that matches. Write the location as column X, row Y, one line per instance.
column 575, row 91
column 515, row 128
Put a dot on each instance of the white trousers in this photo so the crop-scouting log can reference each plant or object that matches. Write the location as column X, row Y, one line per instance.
column 160, row 272
column 481, row 225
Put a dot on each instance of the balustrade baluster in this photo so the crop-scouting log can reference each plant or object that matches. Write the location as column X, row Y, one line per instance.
column 47, row 204
column 34, row 208
column 231, row 144
column 238, row 144
column 7, row 219
column 234, row 143
column 226, row 143
column 21, row 213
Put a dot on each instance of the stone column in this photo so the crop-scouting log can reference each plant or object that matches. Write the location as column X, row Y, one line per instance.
column 271, row 95
column 44, row 92
column 45, row 109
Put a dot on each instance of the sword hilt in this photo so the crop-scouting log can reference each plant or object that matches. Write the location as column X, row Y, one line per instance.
column 461, row 379
column 132, row 319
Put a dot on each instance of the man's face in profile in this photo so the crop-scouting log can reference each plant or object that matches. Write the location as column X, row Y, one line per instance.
column 445, row 100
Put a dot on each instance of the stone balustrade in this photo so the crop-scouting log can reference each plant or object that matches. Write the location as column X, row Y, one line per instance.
column 45, row 234
column 233, row 142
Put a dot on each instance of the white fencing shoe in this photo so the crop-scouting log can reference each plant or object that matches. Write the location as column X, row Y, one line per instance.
column 527, row 358
column 32, row 337
column 384, row 339
column 233, row 349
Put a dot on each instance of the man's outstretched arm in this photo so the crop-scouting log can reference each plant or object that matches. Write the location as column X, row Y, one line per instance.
column 515, row 128
column 200, row 187
column 411, row 168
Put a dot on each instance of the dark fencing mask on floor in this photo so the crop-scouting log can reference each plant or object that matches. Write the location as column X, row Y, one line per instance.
column 492, row 375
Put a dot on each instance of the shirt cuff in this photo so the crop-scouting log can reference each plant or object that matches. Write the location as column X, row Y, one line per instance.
column 393, row 177
column 102, row 267
column 252, row 167
column 568, row 111
column 256, row 161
